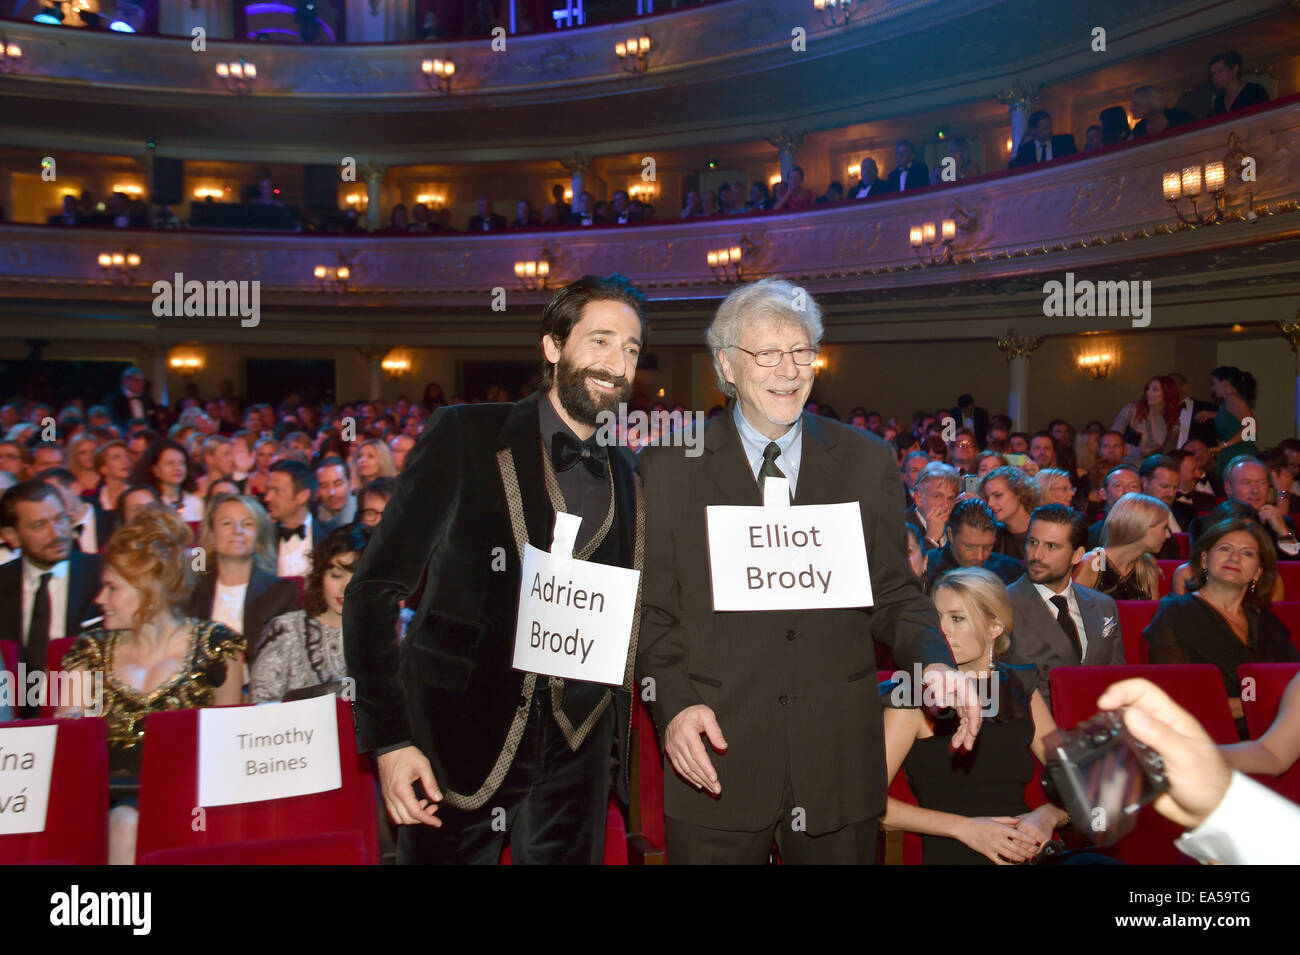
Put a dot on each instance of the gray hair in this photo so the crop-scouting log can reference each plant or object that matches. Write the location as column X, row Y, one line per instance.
column 767, row 299
column 938, row 471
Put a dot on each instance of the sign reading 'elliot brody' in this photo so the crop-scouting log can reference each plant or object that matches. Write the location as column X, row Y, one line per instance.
column 811, row 557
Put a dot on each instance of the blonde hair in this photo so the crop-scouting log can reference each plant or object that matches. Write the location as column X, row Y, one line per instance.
column 387, row 466
column 1127, row 523
column 984, row 598
column 152, row 555
column 264, row 551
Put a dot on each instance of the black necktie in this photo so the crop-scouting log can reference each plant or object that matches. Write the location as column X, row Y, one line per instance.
column 1067, row 624
column 1042, row 152
column 769, row 468
column 567, row 450
column 38, row 634
column 289, row 532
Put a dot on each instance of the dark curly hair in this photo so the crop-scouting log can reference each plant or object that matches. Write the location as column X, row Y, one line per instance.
column 348, row 539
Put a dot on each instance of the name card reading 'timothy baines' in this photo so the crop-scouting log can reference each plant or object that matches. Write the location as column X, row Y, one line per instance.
column 26, row 762
column 810, row 557
column 271, row 751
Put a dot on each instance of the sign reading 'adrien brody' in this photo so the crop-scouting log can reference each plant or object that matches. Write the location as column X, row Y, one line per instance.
column 779, row 557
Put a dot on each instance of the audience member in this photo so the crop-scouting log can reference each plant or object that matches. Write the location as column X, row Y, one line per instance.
column 1114, row 126
column 1044, row 147
column 485, row 220
column 869, row 182
column 1153, row 116
column 936, row 490
column 289, row 493
column 525, row 217
column 796, row 197
column 336, row 505
column 166, row 466
column 1232, row 93
column 1235, row 391
column 1124, row 567
column 909, row 173
column 972, row 532
column 1013, row 495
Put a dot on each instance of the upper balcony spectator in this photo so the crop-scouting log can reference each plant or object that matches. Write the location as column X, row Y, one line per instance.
column 795, row 196
column 69, row 215
column 964, row 167
column 760, row 200
column 692, row 207
column 709, row 203
column 1092, row 139
column 869, row 181
column 910, row 173
column 586, row 211
column 1044, row 147
column 1153, row 116
column 620, row 212
column 1234, row 93
column 737, row 203
column 525, row 217
column 486, row 220
column 834, row 193
column 557, row 213
column 1114, row 126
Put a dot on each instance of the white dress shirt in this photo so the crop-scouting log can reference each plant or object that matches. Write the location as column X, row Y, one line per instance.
column 137, row 406
column 58, row 591
column 1043, row 151
column 228, row 606
column 88, row 537
column 1185, row 415
column 1251, row 826
column 294, row 558
column 1072, row 601
column 755, row 444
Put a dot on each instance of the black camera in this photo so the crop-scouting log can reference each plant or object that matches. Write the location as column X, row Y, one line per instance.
column 1103, row 776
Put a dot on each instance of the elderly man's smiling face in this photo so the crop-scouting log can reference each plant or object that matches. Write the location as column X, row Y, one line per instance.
column 771, row 399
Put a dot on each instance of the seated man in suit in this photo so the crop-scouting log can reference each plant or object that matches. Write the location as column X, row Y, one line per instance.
column 972, row 532
column 1058, row 622
column 290, row 488
column 1043, row 147
column 910, row 173
column 869, row 181
column 584, row 210
column 486, row 220
column 91, row 526
column 49, row 592
column 1120, row 480
column 1159, row 475
column 1247, row 481
column 335, row 505
column 936, row 490
column 1188, row 498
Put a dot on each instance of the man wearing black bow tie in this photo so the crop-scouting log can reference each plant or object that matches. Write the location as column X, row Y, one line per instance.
column 469, row 749
column 289, row 489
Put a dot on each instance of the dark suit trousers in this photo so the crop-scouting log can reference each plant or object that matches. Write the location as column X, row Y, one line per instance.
column 689, row 844
column 554, row 803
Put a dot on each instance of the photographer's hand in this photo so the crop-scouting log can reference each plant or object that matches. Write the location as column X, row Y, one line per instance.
column 1197, row 772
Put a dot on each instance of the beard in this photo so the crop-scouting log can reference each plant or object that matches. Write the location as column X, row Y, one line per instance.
column 578, row 401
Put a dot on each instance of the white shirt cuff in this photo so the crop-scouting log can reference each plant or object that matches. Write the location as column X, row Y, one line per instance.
column 1251, row 826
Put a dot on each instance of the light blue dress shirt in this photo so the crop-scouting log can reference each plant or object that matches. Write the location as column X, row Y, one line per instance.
column 754, row 443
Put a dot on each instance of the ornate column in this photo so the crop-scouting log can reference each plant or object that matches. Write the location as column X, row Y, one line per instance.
column 156, row 354
column 373, row 174
column 576, row 166
column 1020, row 98
column 180, row 17
column 379, row 21
column 786, row 144
column 374, row 355
column 1018, row 348
column 1291, row 332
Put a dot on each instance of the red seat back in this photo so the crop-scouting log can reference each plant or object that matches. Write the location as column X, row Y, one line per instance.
column 1167, row 568
column 646, row 823
column 1271, row 682
column 1184, row 541
column 1289, row 570
column 1288, row 611
column 169, row 785
column 1197, row 687
column 301, row 583
column 76, row 817
column 53, row 664
column 1134, row 615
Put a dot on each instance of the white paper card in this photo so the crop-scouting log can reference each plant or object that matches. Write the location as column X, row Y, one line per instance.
column 272, row 751
column 776, row 492
column 26, row 762
column 807, row 557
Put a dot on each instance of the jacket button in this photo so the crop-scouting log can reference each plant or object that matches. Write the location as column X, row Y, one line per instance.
column 783, row 699
column 790, row 634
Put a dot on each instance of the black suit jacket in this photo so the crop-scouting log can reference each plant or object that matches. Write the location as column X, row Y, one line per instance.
column 119, row 407
column 496, row 221
column 940, row 560
column 1027, row 154
column 1203, row 431
column 267, row 596
column 981, row 419
column 449, row 687
column 794, row 691
column 918, row 177
column 83, row 585
column 877, row 187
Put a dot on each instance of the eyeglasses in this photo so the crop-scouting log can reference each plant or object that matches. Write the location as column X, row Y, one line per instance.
column 771, row 357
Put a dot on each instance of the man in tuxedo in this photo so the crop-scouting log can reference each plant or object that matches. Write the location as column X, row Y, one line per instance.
column 869, row 181
column 130, row 401
column 1159, row 475
column 468, row 747
column 794, row 692
column 336, row 504
column 967, row 414
column 1189, row 408
column 1058, row 622
column 972, row 532
column 50, row 591
column 1043, row 146
column 290, row 487
column 1247, row 481
column 584, row 211
column 486, row 220
column 91, row 526
column 910, row 173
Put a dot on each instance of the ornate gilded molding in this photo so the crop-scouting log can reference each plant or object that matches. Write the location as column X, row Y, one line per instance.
column 1018, row 346
column 1291, row 331
column 576, row 164
column 1020, row 95
column 786, row 140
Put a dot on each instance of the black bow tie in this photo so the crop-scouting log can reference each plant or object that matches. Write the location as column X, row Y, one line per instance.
column 288, row 532
column 567, row 450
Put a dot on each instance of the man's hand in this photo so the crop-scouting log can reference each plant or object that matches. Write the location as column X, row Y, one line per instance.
column 398, row 772
column 686, row 750
column 1198, row 774
column 951, row 688
column 936, row 519
column 1271, row 516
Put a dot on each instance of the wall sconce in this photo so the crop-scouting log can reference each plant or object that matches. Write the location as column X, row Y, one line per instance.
column 356, row 200
column 1010, row 145
column 238, row 75
column 1189, row 184
column 926, row 234
column 773, row 179
column 568, row 194
column 1097, row 365
column 726, row 264
column 633, row 52
column 128, row 189
column 118, row 266
column 855, row 171
column 396, row 364
column 10, row 54
column 186, row 361
column 435, row 199
column 333, row 279
column 643, row 192
column 834, row 13
column 206, row 192
column 438, row 74
column 534, row 275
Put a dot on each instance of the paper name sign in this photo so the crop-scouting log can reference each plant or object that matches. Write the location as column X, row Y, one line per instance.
column 575, row 616
column 808, row 557
column 26, row 762
column 271, row 751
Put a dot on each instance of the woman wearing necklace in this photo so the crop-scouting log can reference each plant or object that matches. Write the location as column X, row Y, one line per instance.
column 152, row 656
column 1125, row 567
column 972, row 804
column 304, row 648
column 167, row 467
column 1224, row 618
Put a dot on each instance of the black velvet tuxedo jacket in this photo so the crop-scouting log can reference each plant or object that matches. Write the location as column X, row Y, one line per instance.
column 267, row 596
column 449, row 687
column 83, row 585
column 794, row 691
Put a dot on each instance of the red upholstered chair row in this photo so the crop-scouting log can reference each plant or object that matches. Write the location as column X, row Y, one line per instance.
column 1271, row 682
column 1184, row 542
column 1289, row 570
column 76, row 817
column 1167, row 568
column 1134, row 615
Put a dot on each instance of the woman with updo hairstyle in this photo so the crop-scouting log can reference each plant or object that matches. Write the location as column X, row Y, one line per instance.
column 153, row 658
column 972, row 807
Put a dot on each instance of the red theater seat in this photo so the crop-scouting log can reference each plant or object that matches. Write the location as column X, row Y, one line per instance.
column 54, row 663
column 1134, row 615
column 76, row 818
column 169, row 783
column 1288, row 611
column 1271, row 682
column 302, row 589
column 1289, row 570
column 646, row 835
column 1184, row 542
column 1197, row 687
column 1167, row 568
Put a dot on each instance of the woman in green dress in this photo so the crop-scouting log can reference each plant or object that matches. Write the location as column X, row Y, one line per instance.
column 1235, row 389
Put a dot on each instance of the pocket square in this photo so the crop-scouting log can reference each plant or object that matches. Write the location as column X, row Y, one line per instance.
column 1107, row 626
